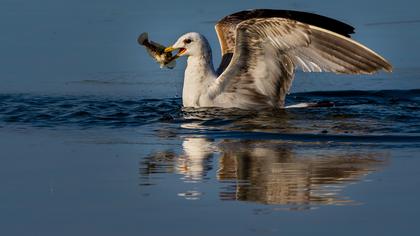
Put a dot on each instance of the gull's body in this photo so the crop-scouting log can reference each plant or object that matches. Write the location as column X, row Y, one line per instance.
column 261, row 50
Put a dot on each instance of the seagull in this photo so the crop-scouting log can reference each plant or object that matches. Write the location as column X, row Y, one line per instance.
column 261, row 49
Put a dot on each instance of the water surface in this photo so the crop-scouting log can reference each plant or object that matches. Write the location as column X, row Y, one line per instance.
column 94, row 140
column 135, row 162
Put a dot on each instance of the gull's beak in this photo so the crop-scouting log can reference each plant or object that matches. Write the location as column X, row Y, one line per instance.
column 169, row 49
column 180, row 52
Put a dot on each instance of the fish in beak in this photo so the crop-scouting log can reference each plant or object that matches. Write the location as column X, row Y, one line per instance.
column 157, row 52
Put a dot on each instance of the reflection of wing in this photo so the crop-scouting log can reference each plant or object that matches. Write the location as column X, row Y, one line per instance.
column 267, row 50
column 271, row 172
column 226, row 27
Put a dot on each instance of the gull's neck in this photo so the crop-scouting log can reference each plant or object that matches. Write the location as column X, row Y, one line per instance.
column 199, row 75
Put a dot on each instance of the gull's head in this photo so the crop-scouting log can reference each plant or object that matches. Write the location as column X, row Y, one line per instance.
column 190, row 44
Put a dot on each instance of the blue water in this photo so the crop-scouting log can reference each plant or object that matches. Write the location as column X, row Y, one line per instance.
column 387, row 112
column 111, row 165
column 94, row 140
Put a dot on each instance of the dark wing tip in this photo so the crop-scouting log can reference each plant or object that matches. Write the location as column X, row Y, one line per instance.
column 388, row 68
column 304, row 17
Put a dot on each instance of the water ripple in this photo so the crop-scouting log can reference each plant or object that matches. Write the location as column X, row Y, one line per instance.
column 386, row 115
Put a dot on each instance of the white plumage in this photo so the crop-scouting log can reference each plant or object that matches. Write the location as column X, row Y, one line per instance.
column 260, row 54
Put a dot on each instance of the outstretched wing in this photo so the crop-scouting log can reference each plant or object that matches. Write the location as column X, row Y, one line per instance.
column 267, row 51
column 226, row 27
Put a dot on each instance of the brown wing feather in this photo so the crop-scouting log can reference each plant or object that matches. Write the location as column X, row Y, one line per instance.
column 226, row 27
column 267, row 51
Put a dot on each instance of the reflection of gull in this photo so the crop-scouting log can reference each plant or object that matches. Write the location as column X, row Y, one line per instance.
column 194, row 162
column 261, row 50
column 269, row 172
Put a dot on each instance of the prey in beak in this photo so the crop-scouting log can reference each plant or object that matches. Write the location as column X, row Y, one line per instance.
column 157, row 51
column 180, row 52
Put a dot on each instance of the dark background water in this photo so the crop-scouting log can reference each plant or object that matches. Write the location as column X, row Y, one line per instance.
column 94, row 140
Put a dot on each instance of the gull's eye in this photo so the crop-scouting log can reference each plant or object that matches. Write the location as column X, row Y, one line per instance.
column 187, row 41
